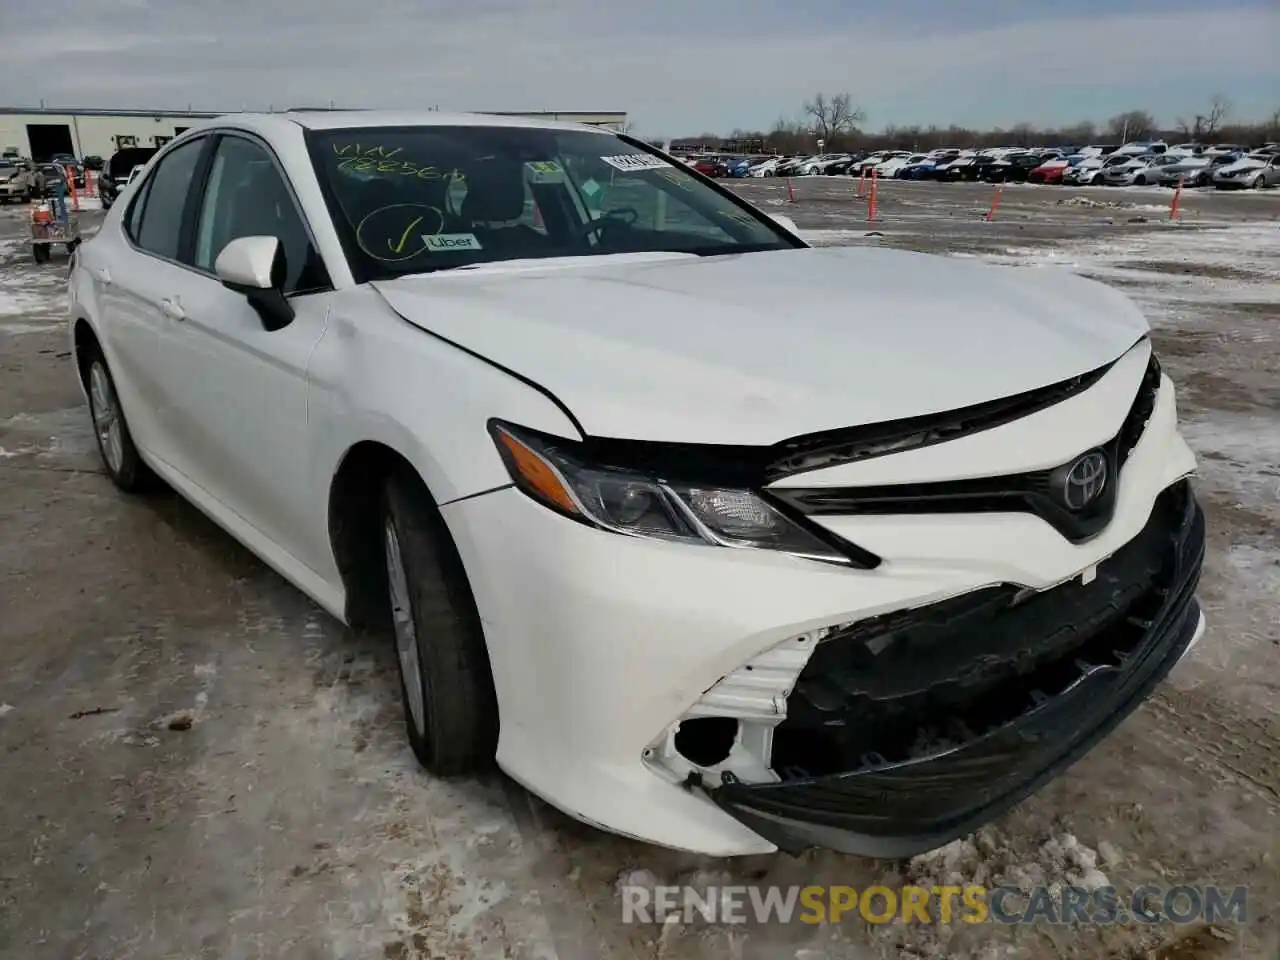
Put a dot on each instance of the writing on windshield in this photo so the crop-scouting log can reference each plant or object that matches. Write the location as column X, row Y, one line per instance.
column 419, row 199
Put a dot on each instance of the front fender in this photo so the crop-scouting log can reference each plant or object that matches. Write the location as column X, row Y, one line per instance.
column 376, row 377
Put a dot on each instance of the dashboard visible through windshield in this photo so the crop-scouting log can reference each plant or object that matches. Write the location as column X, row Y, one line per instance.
column 418, row 199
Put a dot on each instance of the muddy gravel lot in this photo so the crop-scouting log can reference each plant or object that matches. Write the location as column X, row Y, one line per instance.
column 195, row 762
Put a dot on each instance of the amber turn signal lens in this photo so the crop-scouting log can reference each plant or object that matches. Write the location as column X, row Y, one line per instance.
column 540, row 476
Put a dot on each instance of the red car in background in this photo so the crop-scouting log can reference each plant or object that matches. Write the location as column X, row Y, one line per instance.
column 1050, row 171
column 711, row 167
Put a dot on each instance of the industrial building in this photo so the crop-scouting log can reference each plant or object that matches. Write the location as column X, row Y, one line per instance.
column 39, row 133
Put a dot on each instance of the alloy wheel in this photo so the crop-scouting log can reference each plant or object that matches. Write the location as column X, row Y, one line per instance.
column 406, row 632
column 107, row 421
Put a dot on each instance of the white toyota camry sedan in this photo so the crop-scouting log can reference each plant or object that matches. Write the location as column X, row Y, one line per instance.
column 706, row 536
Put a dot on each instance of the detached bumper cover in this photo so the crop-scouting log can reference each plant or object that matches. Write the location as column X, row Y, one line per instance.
column 1022, row 704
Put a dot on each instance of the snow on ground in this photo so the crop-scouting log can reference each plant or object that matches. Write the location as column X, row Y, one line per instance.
column 32, row 296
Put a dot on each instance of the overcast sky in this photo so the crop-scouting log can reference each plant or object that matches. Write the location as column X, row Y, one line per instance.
column 677, row 66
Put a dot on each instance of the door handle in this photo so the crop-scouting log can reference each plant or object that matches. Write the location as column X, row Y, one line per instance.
column 172, row 309
column 103, row 275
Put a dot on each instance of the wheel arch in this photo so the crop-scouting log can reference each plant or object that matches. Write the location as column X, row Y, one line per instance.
column 84, row 341
column 354, row 518
column 354, row 523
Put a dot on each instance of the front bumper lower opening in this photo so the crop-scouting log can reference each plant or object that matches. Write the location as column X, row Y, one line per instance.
column 909, row 730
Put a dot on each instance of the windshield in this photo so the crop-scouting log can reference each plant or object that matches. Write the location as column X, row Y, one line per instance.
column 418, row 199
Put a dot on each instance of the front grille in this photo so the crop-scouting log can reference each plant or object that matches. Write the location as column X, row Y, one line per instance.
column 906, row 730
column 1033, row 492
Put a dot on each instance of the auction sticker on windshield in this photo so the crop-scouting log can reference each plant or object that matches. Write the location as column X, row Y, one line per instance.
column 545, row 171
column 627, row 162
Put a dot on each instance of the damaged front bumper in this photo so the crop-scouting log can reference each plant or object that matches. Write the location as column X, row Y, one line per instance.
column 908, row 730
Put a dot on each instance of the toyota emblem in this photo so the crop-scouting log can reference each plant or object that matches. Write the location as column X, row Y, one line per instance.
column 1085, row 480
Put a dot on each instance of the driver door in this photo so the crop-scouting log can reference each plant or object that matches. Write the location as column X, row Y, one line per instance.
column 239, row 391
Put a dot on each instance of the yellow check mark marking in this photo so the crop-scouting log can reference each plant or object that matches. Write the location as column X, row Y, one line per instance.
column 404, row 237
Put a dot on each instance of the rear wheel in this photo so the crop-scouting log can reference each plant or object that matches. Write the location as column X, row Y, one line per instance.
column 39, row 252
column 447, row 687
column 115, row 442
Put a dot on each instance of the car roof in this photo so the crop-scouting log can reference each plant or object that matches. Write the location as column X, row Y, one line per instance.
column 351, row 119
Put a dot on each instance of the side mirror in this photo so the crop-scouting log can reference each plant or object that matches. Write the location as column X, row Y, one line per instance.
column 785, row 222
column 255, row 267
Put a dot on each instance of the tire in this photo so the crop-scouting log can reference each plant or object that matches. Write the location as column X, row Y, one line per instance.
column 446, row 684
column 115, row 443
column 40, row 252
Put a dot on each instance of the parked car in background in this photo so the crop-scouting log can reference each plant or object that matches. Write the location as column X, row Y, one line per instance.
column 711, row 166
column 16, row 181
column 645, row 573
column 1051, row 170
column 1185, row 169
column 790, row 167
column 1138, row 148
column 955, row 168
column 766, row 168
column 93, row 162
column 1125, row 173
column 919, row 170
column 1252, row 170
column 1085, row 172
column 890, row 167
column 1157, row 163
column 45, row 176
column 116, row 171
column 1014, row 167
column 1204, row 176
column 874, row 160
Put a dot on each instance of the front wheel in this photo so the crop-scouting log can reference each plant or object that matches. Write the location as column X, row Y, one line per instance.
column 446, row 684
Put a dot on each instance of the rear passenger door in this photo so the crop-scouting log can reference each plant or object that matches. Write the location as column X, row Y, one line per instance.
column 133, row 277
column 239, row 391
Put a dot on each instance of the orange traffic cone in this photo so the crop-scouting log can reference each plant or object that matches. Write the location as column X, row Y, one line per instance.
column 1177, row 200
column 995, row 203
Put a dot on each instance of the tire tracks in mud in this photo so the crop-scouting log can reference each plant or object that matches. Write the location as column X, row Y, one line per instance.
column 1220, row 739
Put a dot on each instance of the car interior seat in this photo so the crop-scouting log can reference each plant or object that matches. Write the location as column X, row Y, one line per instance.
column 495, row 200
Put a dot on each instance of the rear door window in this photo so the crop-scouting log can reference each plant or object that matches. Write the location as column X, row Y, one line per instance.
column 164, row 201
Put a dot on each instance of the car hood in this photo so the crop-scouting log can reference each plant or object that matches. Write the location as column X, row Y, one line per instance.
column 755, row 348
column 1245, row 163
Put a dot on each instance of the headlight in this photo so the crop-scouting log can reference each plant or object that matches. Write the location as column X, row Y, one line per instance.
column 636, row 505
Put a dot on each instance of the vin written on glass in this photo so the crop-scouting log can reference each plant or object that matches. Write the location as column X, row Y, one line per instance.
column 378, row 159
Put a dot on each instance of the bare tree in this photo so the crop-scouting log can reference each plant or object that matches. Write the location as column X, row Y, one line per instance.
column 834, row 116
column 1219, row 110
column 1206, row 125
column 1132, row 125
